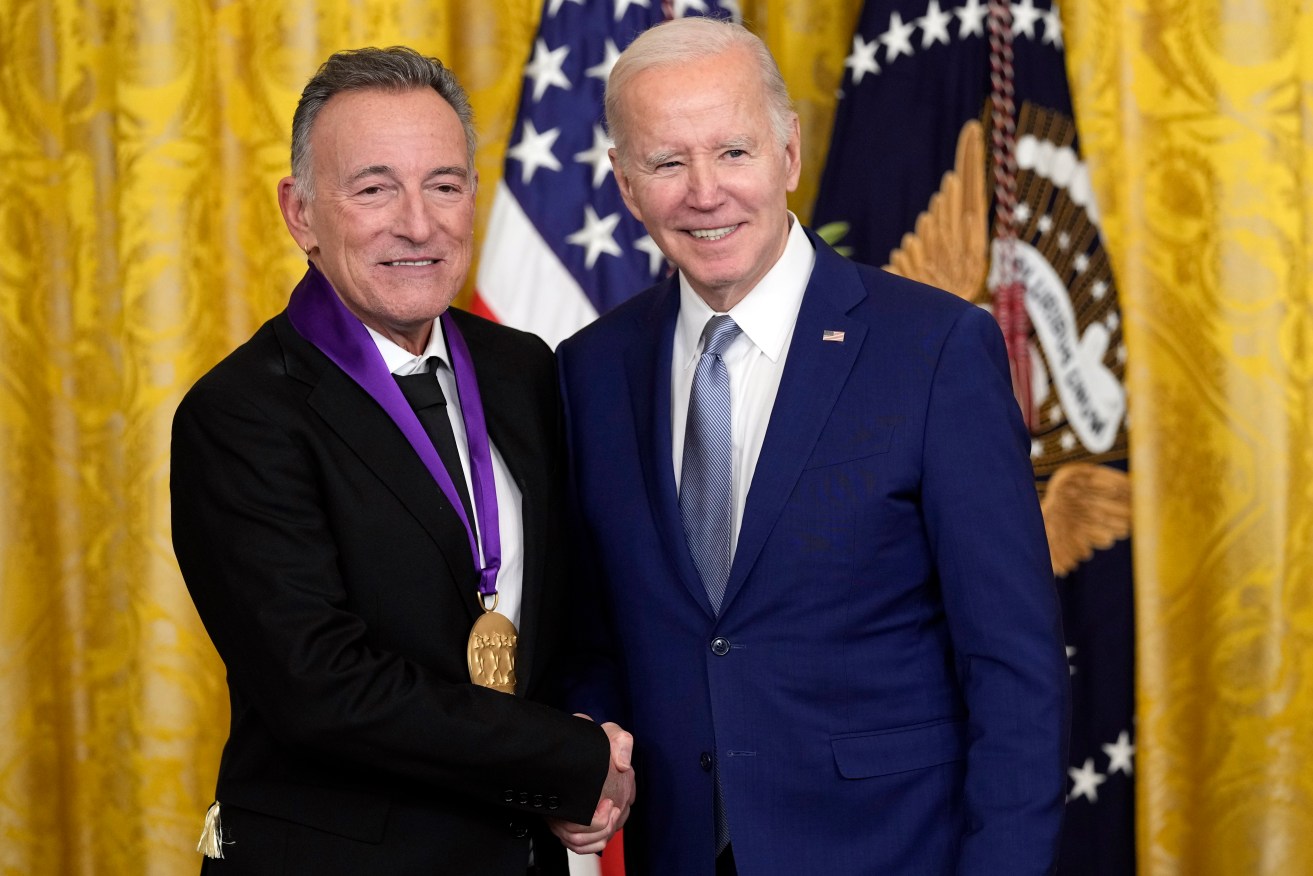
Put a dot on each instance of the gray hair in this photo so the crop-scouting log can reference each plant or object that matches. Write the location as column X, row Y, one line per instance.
column 694, row 38
column 396, row 69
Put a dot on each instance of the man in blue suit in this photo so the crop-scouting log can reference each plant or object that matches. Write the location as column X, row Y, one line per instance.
column 817, row 586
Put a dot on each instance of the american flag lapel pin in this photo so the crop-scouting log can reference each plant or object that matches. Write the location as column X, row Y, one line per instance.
column 832, row 335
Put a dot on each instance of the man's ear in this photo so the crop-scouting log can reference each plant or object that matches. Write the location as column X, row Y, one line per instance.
column 793, row 156
column 623, row 182
column 296, row 213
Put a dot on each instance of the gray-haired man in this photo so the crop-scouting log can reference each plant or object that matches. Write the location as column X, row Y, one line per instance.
column 365, row 503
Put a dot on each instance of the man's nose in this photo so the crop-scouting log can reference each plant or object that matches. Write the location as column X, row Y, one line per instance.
column 703, row 186
column 413, row 219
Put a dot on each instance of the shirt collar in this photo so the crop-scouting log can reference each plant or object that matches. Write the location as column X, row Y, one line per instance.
column 402, row 361
column 767, row 313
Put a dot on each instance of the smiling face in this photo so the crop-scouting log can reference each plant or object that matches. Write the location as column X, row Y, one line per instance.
column 390, row 222
column 705, row 172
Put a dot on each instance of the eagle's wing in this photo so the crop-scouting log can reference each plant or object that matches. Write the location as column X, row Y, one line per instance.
column 950, row 247
column 1086, row 506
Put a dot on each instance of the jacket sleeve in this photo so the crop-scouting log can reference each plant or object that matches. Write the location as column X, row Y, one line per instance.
column 987, row 534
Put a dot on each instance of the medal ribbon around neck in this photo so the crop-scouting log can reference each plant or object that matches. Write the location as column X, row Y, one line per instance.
column 319, row 316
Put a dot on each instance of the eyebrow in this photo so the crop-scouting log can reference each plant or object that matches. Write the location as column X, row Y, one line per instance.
column 387, row 170
column 657, row 158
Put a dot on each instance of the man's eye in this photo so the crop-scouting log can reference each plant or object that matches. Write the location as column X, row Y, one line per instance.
column 736, row 153
column 371, row 190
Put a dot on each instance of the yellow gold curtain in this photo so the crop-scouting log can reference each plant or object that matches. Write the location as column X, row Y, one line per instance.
column 141, row 241
column 1198, row 119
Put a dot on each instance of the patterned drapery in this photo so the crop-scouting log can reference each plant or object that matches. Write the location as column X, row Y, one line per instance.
column 141, row 241
column 1197, row 116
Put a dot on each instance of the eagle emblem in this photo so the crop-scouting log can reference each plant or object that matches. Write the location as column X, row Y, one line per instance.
column 1077, row 356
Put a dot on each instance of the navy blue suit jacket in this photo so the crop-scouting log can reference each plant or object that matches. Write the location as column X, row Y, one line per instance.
column 885, row 688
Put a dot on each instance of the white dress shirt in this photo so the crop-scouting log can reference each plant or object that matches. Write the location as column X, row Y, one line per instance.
column 755, row 359
column 510, row 579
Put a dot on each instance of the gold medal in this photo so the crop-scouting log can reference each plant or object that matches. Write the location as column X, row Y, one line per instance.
column 490, row 652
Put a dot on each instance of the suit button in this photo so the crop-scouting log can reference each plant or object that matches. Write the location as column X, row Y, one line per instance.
column 537, row 801
column 720, row 646
column 705, row 761
column 520, row 831
column 524, row 798
column 553, row 802
column 508, row 796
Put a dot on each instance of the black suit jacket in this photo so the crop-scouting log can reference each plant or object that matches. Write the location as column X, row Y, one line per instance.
column 336, row 582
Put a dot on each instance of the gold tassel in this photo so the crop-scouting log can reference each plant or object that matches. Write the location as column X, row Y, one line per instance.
column 211, row 841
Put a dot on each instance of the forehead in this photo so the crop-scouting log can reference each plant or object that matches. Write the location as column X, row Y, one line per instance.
column 377, row 126
column 716, row 98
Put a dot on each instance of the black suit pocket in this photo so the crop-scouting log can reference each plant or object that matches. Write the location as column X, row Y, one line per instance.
column 352, row 814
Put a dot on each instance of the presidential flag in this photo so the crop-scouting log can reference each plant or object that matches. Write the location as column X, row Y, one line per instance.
column 560, row 246
column 955, row 160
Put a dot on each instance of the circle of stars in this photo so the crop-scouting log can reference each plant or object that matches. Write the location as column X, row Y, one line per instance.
column 936, row 28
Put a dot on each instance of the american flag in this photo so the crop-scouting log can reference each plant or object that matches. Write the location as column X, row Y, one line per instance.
column 561, row 247
column 908, row 151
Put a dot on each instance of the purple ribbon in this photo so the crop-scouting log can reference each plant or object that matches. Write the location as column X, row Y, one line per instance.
column 319, row 316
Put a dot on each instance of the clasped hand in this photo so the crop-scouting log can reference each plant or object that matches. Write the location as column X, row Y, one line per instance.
column 613, row 808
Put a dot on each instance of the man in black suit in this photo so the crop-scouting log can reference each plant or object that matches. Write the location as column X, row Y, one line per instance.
column 388, row 617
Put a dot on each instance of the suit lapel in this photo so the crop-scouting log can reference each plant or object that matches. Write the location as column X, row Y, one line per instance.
column 382, row 448
column 648, row 367
column 814, row 374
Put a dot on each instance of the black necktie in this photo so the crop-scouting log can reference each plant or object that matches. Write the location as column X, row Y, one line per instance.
column 424, row 393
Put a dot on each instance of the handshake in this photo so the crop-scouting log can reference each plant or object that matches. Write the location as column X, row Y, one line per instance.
column 613, row 808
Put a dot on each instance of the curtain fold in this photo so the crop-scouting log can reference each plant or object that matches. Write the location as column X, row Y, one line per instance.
column 1197, row 115
column 142, row 241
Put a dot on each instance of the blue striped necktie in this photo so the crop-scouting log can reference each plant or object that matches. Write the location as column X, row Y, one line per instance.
column 706, row 478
